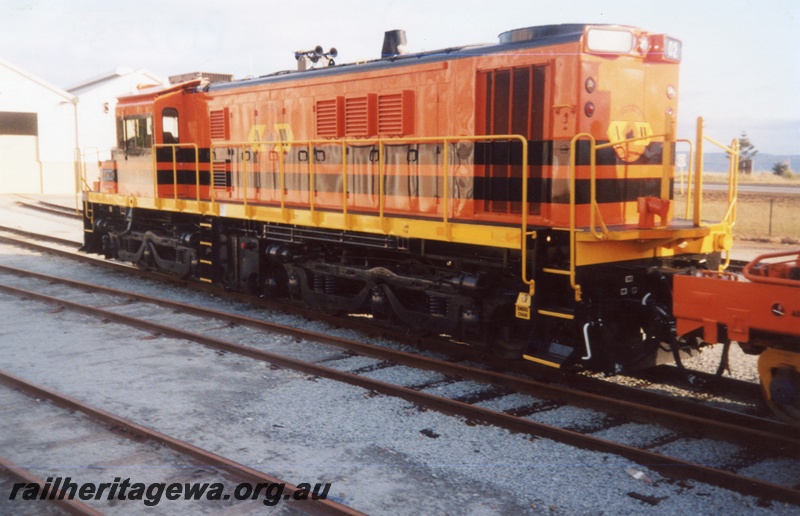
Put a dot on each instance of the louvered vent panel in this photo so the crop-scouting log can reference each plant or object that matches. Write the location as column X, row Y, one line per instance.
column 355, row 121
column 329, row 119
column 396, row 114
column 360, row 116
column 219, row 124
column 390, row 114
column 221, row 176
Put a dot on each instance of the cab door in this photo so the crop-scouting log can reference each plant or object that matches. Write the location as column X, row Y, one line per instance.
column 135, row 153
column 181, row 153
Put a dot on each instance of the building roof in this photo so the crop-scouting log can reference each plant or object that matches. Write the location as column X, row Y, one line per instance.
column 44, row 84
column 99, row 80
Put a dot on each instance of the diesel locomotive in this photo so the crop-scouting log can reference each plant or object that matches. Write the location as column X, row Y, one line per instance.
column 516, row 195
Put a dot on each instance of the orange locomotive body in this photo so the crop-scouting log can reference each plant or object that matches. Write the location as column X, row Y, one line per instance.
column 514, row 195
column 546, row 87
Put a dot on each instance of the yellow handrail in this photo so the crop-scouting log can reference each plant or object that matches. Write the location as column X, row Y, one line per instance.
column 595, row 216
column 344, row 185
column 698, row 176
column 380, row 142
column 85, row 187
column 381, row 183
column 594, row 208
column 665, row 176
column 175, row 147
column 282, row 177
column 667, row 159
column 730, row 215
column 598, row 227
column 733, row 170
column 446, row 193
column 244, row 173
column 733, row 183
column 690, row 164
column 572, row 205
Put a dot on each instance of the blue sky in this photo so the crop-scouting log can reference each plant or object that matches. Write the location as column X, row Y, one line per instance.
column 740, row 70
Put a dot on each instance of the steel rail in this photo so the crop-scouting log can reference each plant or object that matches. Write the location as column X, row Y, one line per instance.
column 51, row 210
column 45, row 238
column 670, row 374
column 717, row 383
column 647, row 401
column 719, row 424
column 54, row 205
column 668, row 466
column 137, row 432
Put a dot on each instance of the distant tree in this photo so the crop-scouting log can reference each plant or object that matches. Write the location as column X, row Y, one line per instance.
column 782, row 169
column 747, row 151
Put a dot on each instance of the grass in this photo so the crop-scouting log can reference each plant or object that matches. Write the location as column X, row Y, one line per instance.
column 768, row 217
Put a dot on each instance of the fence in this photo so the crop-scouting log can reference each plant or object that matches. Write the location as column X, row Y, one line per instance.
column 758, row 215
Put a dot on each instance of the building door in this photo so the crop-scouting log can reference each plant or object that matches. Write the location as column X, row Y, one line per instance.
column 20, row 168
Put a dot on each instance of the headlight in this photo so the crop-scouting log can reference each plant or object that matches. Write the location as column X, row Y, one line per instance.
column 609, row 41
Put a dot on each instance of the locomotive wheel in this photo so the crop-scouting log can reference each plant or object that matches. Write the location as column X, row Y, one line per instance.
column 779, row 371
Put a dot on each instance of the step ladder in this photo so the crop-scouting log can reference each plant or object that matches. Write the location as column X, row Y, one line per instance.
column 555, row 303
column 88, row 217
column 206, row 270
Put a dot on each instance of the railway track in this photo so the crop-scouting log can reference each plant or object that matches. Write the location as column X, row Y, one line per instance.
column 51, row 209
column 179, row 460
column 38, row 238
column 748, row 395
column 476, row 394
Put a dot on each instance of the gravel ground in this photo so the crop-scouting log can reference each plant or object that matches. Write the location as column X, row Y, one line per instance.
column 53, row 439
column 383, row 455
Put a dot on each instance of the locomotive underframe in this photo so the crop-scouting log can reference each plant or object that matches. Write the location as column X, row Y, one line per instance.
column 465, row 292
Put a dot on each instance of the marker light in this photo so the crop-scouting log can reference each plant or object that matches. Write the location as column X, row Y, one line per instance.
column 664, row 49
column 590, row 85
column 644, row 44
column 671, row 91
column 588, row 109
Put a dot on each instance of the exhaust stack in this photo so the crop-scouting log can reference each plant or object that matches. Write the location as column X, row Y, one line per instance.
column 394, row 43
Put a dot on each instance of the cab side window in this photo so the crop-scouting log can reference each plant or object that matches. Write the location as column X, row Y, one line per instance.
column 135, row 134
column 169, row 125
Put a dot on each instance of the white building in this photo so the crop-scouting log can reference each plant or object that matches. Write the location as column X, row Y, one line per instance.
column 38, row 135
column 44, row 128
column 97, row 100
